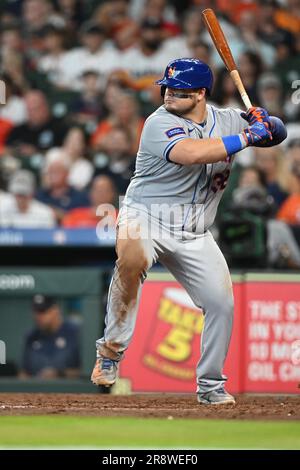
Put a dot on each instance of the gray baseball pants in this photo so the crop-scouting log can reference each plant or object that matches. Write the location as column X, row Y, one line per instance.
column 199, row 266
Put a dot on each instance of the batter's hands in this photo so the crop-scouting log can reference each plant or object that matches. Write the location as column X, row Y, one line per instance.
column 257, row 133
column 256, row 114
column 279, row 133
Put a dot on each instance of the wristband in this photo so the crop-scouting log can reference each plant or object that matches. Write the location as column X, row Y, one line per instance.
column 234, row 143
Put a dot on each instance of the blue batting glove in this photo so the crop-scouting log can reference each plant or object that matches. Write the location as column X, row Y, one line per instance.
column 256, row 133
column 279, row 133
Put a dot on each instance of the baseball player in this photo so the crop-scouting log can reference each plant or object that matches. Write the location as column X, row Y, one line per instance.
column 182, row 168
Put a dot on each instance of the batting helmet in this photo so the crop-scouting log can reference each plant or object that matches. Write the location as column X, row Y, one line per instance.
column 187, row 73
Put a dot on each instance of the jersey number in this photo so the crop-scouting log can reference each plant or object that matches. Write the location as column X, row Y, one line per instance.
column 220, row 181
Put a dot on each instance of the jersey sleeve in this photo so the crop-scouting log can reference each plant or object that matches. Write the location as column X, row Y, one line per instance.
column 238, row 124
column 161, row 134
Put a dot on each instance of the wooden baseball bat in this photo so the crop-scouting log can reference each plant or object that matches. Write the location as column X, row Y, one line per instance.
column 217, row 35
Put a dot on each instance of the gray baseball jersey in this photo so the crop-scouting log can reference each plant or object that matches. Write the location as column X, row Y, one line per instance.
column 195, row 190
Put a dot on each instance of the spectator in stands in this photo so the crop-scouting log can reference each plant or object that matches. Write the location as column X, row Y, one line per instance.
column 270, row 162
column 19, row 209
column 72, row 12
column 162, row 11
column 52, row 348
column 244, row 39
column 14, row 109
column 111, row 15
column 249, row 30
column 251, row 195
column 290, row 209
column 88, row 109
column 11, row 40
column 94, row 55
column 146, row 59
column 57, row 192
column 202, row 51
column 51, row 62
column 116, row 159
column 112, row 94
column 192, row 29
column 11, row 37
column 14, row 56
column 270, row 96
column 40, row 132
column 291, row 142
column 268, row 31
column 124, row 114
column 126, row 36
column 4, row 196
column 103, row 200
column 81, row 169
column 36, row 15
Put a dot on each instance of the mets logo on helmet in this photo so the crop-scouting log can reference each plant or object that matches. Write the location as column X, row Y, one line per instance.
column 172, row 72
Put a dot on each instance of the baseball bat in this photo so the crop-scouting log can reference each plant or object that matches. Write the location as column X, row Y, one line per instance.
column 219, row 40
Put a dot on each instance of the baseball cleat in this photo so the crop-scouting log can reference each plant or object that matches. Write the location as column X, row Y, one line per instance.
column 104, row 372
column 216, row 397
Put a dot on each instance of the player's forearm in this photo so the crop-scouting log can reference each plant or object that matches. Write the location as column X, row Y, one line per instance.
column 191, row 151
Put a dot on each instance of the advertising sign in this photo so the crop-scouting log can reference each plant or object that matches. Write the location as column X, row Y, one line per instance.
column 166, row 347
column 272, row 334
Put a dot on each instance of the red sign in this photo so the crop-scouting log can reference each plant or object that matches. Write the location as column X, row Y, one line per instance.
column 166, row 345
column 264, row 354
column 272, row 337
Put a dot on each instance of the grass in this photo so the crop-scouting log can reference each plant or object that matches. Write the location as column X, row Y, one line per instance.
column 92, row 432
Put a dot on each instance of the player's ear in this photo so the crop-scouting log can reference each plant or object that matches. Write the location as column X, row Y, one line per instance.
column 201, row 94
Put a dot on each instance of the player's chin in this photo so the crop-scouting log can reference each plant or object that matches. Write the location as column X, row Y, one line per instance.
column 171, row 107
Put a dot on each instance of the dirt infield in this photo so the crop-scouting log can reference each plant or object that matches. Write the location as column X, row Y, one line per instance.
column 148, row 405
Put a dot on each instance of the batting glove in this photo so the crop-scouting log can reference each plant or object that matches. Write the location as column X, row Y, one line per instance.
column 279, row 133
column 256, row 114
column 258, row 132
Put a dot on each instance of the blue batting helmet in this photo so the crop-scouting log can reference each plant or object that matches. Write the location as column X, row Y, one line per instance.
column 187, row 73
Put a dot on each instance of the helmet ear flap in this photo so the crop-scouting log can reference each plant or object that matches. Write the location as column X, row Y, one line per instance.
column 163, row 90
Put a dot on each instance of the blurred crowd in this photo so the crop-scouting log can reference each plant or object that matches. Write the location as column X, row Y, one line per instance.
column 79, row 78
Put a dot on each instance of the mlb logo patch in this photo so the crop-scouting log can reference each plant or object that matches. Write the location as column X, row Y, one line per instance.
column 175, row 131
